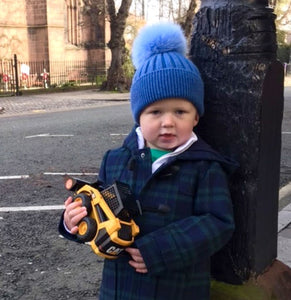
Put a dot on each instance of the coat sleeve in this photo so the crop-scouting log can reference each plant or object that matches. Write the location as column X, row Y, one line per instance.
column 188, row 241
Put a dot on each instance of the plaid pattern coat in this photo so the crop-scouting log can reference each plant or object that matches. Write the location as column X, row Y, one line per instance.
column 176, row 246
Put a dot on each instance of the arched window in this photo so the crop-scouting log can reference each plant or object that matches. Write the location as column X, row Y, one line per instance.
column 73, row 35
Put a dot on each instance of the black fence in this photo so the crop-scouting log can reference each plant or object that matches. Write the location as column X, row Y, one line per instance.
column 18, row 75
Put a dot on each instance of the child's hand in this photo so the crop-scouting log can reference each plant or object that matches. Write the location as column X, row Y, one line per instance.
column 74, row 212
column 137, row 261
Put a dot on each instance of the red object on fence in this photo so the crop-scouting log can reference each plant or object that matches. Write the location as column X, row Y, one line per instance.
column 5, row 77
column 24, row 76
column 44, row 76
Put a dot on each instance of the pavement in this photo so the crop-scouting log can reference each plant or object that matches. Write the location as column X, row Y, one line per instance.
column 284, row 226
column 32, row 104
column 38, row 103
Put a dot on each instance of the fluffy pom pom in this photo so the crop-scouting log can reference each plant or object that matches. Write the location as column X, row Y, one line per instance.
column 158, row 38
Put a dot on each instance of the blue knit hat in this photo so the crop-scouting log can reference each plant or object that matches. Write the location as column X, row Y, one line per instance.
column 162, row 69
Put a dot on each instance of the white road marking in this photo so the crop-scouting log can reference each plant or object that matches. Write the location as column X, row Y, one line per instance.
column 115, row 134
column 71, row 174
column 49, row 174
column 48, row 135
column 286, row 132
column 14, row 177
column 31, row 208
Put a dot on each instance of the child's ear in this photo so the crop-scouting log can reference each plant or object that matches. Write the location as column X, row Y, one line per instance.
column 196, row 120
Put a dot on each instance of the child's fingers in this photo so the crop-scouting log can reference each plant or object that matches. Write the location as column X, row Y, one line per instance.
column 70, row 204
column 137, row 261
column 139, row 267
column 74, row 206
column 74, row 230
column 68, row 201
column 135, row 254
column 75, row 214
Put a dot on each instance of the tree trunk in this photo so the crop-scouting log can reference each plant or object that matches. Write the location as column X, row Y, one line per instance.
column 116, row 79
column 234, row 47
column 187, row 23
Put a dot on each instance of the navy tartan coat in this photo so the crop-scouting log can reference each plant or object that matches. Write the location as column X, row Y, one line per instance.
column 176, row 246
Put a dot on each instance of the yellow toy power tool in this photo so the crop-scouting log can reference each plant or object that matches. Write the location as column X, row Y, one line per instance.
column 108, row 226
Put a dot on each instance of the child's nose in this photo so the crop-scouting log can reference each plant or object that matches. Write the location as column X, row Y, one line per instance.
column 168, row 120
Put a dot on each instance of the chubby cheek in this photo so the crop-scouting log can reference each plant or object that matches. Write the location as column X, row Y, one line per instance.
column 148, row 127
column 148, row 132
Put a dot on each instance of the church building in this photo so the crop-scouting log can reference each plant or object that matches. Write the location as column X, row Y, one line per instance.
column 54, row 30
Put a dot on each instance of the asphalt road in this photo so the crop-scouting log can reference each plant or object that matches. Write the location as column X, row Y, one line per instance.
column 35, row 262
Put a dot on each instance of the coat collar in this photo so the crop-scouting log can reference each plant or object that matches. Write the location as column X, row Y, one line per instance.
column 199, row 150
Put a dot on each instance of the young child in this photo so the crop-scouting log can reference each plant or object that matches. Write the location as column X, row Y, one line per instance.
column 165, row 163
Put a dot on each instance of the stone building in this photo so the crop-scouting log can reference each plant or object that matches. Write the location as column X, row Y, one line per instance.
column 54, row 30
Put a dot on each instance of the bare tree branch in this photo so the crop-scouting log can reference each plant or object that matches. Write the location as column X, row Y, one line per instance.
column 283, row 18
column 186, row 24
column 116, row 78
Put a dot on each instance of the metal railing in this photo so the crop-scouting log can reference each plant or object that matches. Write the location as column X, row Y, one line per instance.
column 18, row 75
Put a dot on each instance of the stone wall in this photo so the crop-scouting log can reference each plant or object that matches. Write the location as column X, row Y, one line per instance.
column 37, row 30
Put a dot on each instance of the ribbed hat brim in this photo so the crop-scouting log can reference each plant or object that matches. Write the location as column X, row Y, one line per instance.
column 166, row 83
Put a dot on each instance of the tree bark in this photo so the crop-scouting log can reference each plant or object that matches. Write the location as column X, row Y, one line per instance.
column 116, row 79
column 187, row 24
column 234, row 47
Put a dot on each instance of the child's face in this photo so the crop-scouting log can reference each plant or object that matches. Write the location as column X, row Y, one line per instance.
column 168, row 123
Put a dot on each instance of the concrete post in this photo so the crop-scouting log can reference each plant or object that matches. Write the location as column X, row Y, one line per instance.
column 234, row 46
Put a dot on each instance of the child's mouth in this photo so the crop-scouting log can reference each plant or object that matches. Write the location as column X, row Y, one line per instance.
column 166, row 136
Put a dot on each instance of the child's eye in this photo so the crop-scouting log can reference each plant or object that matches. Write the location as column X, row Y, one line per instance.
column 155, row 112
column 180, row 112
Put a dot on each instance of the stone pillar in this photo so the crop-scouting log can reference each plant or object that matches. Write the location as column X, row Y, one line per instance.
column 234, row 46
